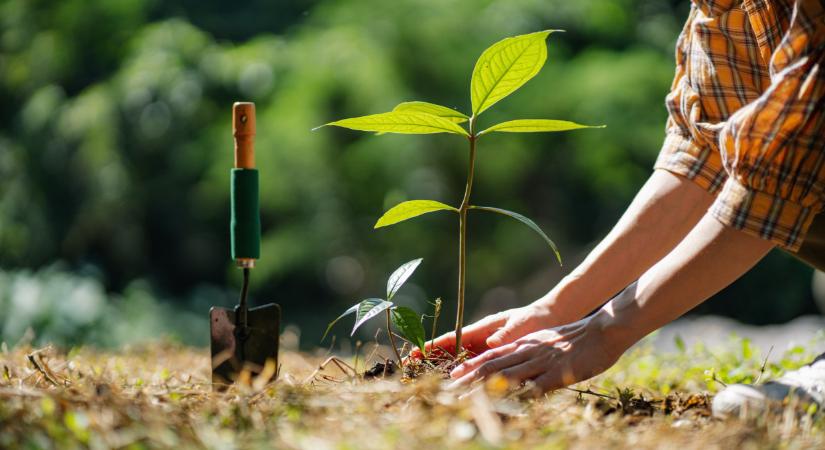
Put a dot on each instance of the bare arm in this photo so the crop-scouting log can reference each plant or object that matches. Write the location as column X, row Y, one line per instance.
column 707, row 260
column 666, row 208
column 711, row 257
column 663, row 212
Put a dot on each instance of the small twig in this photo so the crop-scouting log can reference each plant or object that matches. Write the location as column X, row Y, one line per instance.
column 716, row 379
column 34, row 358
column 590, row 392
column 406, row 341
column 345, row 368
column 764, row 364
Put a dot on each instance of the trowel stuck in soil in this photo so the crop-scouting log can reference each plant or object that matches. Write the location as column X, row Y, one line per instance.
column 244, row 339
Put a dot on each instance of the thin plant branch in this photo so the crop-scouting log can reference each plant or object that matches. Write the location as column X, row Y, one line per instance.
column 392, row 338
column 462, row 238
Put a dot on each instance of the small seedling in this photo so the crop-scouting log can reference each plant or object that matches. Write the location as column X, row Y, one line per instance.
column 406, row 321
column 500, row 70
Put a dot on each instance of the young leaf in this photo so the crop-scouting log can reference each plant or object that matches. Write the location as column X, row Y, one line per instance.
column 409, row 325
column 409, row 209
column 404, row 122
column 349, row 311
column 433, row 109
column 525, row 221
column 505, row 67
column 368, row 309
column 536, row 125
column 400, row 276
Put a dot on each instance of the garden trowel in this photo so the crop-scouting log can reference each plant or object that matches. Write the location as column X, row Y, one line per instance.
column 244, row 339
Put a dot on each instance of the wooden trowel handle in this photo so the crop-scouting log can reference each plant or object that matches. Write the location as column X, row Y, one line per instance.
column 243, row 129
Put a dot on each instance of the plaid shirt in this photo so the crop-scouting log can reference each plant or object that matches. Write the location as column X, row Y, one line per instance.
column 747, row 113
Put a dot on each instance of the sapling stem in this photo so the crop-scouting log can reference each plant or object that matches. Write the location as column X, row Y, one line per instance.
column 392, row 338
column 462, row 237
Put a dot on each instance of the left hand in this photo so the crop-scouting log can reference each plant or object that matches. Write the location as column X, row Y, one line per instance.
column 551, row 358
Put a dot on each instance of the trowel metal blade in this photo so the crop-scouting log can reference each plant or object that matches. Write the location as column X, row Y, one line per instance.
column 229, row 356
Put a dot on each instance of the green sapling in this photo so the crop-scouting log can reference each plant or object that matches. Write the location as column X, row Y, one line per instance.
column 500, row 70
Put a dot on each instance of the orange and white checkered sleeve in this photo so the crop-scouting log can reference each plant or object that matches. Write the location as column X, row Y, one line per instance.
column 774, row 148
column 680, row 154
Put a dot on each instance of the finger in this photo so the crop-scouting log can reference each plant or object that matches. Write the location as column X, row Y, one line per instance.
column 526, row 370
column 505, row 335
column 473, row 364
column 473, row 336
column 554, row 379
column 491, row 367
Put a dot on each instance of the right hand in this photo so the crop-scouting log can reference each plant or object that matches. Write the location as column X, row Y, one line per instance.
column 497, row 329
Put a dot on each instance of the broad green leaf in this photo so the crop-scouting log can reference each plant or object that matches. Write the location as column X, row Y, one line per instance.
column 368, row 309
column 431, row 108
column 349, row 311
column 409, row 325
column 536, row 125
column 404, row 122
column 400, row 276
column 409, row 209
column 505, row 67
column 525, row 221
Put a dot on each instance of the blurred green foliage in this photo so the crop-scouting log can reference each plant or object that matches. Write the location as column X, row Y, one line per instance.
column 115, row 149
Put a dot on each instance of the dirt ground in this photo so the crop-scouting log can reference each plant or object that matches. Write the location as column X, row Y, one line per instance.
column 159, row 396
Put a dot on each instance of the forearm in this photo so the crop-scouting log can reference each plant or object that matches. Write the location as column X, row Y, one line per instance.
column 666, row 208
column 711, row 257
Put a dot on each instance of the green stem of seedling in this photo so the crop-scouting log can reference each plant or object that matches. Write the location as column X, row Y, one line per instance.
column 462, row 237
column 392, row 338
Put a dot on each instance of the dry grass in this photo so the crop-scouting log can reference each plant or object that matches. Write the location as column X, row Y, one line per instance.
column 158, row 396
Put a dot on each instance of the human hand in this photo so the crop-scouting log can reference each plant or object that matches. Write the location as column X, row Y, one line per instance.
column 497, row 329
column 550, row 358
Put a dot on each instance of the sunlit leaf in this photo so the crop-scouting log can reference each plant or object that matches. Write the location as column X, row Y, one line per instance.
column 408, row 324
column 349, row 311
column 404, row 122
column 536, row 125
column 431, row 108
column 409, row 209
column 400, row 276
column 525, row 221
column 368, row 309
column 505, row 67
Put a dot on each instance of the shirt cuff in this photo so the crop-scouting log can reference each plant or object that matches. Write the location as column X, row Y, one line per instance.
column 682, row 157
column 763, row 215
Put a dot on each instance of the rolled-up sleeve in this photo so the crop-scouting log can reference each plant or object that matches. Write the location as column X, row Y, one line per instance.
column 681, row 152
column 773, row 149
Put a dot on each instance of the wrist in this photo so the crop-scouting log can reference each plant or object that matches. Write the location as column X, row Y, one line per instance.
column 566, row 301
column 618, row 324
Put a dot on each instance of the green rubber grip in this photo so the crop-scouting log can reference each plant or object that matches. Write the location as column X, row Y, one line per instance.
column 245, row 223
